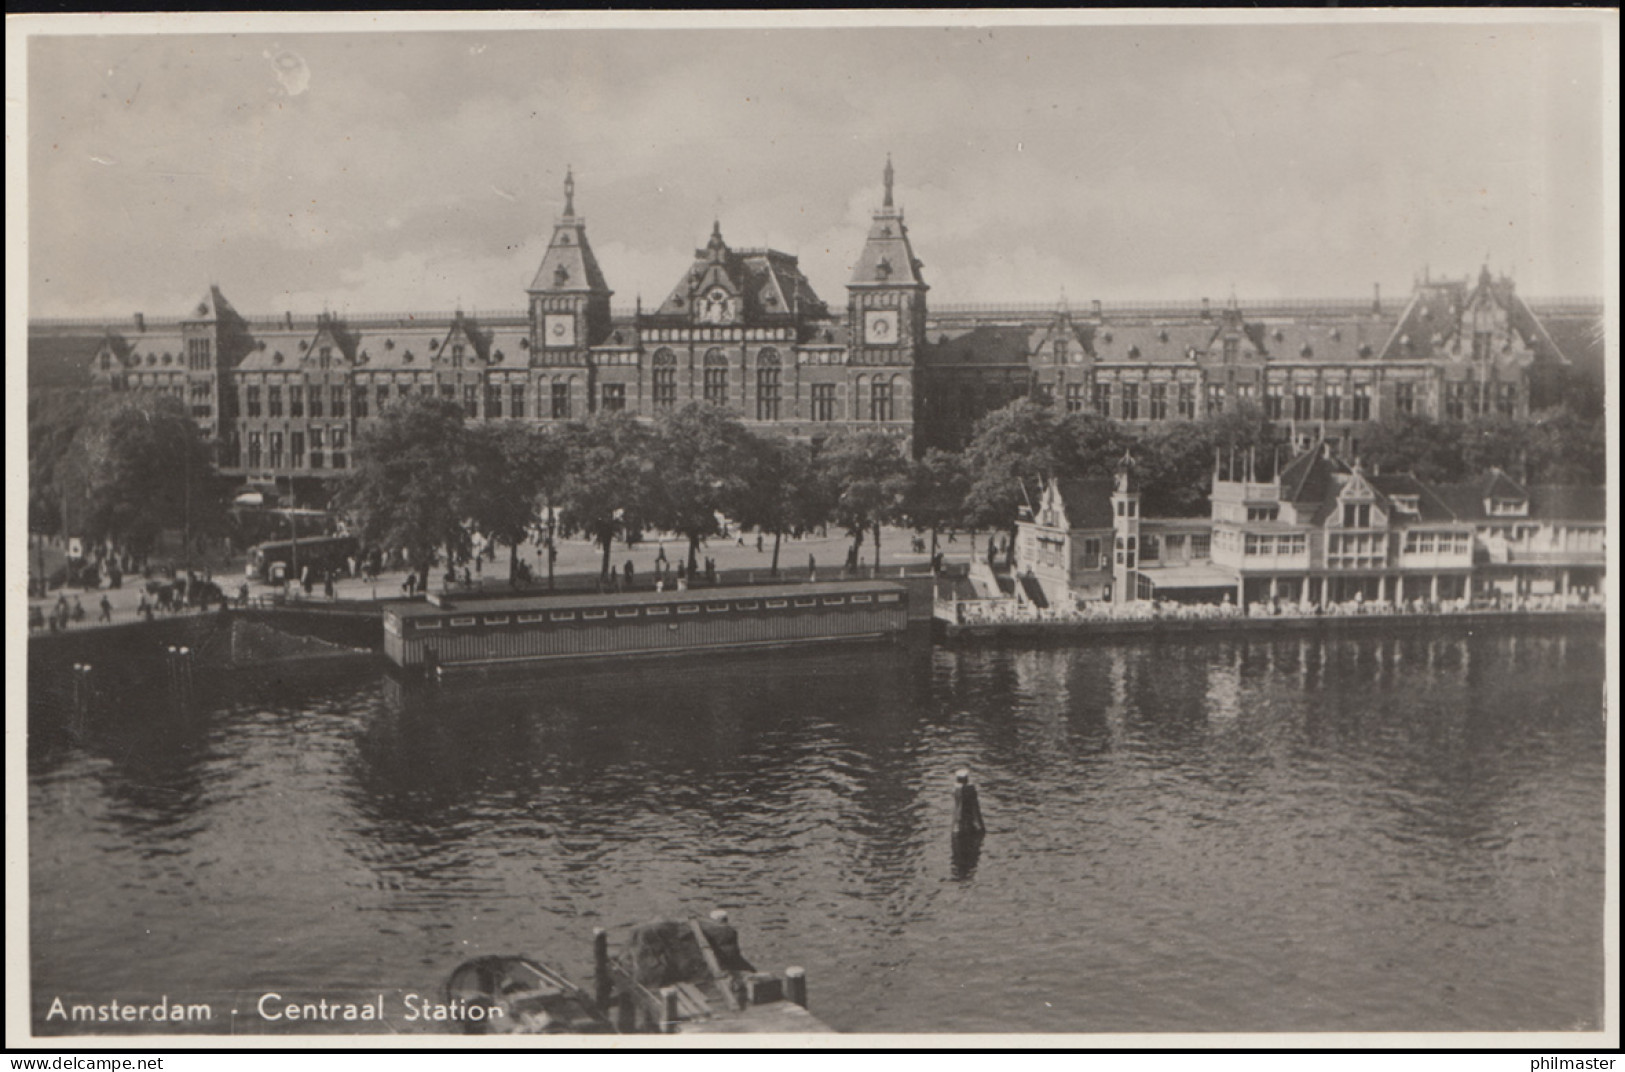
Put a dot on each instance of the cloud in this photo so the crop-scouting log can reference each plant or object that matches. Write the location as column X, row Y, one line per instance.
column 1114, row 161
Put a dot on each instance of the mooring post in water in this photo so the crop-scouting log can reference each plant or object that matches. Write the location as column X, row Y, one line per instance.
column 795, row 985
column 668, row 1010
column 967, row 808
column 602, row 988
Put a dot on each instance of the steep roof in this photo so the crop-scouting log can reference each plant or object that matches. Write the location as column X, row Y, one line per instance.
column 887, row 257
column 985, row 344
column 1086, row 501
column 1151, row 343
column 1351, row 340
column 568, row 266
column 769, row 283
column 1430, row 506
column 1311, row 476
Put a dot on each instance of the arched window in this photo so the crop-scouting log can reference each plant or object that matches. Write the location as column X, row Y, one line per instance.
column 716, row 377
column 665, row 378
column 768, row 384
column 880, row 399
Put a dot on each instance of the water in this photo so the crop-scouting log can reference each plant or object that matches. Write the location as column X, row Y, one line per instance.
column 1359, row 834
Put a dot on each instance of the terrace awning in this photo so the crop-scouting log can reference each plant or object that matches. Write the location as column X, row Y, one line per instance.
column 1194, row 576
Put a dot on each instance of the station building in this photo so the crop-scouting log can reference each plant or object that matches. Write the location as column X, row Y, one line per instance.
column 285, row 398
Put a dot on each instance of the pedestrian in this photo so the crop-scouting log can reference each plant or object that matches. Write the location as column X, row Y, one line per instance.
column 812, row 568
column 327, row 585
column 629, row 573
column 682, row 571
column 78, row 610
column 242, row 594
column 62, row 605
column 758, row 543
column 107, row 610
column 145, row 609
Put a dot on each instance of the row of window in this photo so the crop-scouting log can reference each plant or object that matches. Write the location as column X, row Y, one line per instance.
column 1443, row 543
column 328, row 449
column 301, row 403
column 1151, row 548
column 1266, row 544
column 655, row 610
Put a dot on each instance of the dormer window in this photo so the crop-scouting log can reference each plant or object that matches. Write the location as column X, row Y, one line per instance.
column 327, row 354
column 1162, row 336
column 1507, row 507
column 1306, row 351
column 434, row 344
column 1364, row 350
column 561, row 276
column 564, row 239
column 1134, row 353
column 1407, row 504
column 389, row 344
column 883, row 269
column 457, row 353
column 303, row 346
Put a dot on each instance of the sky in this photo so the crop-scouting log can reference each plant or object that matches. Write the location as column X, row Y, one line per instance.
column 395, row 170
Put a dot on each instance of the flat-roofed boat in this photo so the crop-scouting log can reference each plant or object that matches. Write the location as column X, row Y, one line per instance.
column 452, row 632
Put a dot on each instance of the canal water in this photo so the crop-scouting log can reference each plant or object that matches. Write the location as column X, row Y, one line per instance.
column 1376, row 833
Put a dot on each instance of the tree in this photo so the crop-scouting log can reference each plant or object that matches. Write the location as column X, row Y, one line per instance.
column 1013, row 453
column 54, row 420
column 1175, row 463
column 1417, row 444
column 605, row 490
column 142, row 466
column 868, row 474
column 937, row 487
column 412, row 484
column 507, row 476
column 700, row 454
column 1564, row 447
column 784, row 491
column 1088, row 444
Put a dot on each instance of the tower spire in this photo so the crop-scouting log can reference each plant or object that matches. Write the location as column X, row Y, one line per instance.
column 888, row 201
column 569, row 191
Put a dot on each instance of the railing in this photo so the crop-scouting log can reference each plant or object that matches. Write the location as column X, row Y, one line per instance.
column 1010, row 612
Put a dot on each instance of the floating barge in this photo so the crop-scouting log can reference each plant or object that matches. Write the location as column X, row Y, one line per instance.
column 449, row 632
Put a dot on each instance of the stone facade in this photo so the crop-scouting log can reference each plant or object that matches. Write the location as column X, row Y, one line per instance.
column 744, row 329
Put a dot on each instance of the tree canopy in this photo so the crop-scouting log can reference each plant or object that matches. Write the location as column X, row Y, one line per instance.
column 137, row 465
column 413, row 485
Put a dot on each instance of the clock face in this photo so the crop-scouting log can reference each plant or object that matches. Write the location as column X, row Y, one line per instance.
column 880, row 327
column 559, row 330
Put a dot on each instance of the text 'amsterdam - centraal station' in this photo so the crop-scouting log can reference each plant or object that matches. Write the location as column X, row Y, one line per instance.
column 285, row 397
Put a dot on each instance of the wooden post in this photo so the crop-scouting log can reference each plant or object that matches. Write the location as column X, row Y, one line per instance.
column 967, row 808
column 668, row 1010
column 602, row 988
column 795, row 985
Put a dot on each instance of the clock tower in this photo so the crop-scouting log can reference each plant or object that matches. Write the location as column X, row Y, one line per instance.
column 886, row 316
column 569, row 299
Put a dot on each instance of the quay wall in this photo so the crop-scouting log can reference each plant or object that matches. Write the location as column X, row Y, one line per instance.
column 136, row 649
column 1073, row 632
